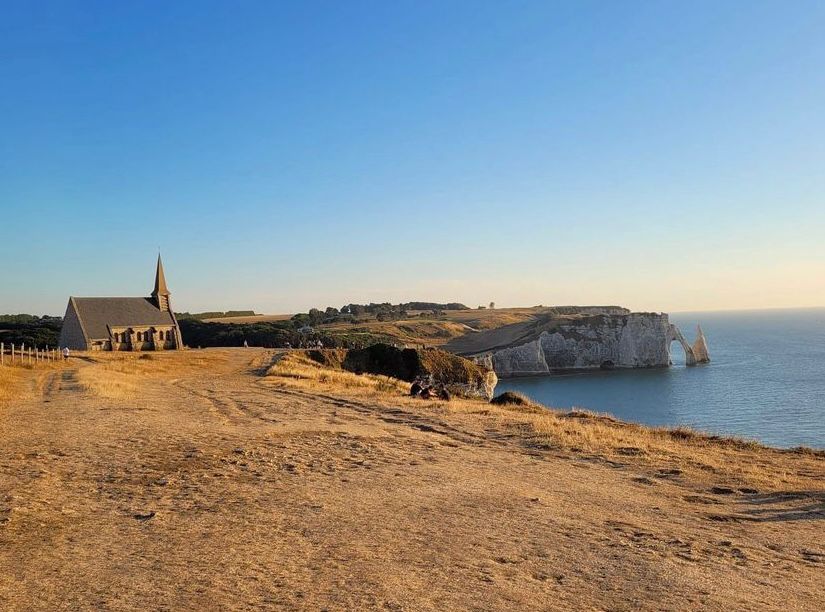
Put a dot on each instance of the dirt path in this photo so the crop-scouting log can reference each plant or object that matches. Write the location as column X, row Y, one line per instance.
column 214, row 491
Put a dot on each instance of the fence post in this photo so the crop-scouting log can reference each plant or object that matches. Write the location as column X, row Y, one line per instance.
column 12, row 353
column 2, row 352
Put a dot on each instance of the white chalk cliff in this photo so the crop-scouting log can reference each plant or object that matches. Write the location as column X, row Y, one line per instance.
column 628, row 340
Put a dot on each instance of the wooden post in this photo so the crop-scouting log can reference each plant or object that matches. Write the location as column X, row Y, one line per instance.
column 2, row 352
column 12, row 353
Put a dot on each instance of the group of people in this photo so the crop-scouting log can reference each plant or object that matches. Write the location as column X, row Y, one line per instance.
column 425, row 388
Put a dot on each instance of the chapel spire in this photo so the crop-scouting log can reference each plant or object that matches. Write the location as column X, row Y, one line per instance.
column 161, row 292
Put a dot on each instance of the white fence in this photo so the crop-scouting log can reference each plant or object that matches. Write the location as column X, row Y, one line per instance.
column 31, row 355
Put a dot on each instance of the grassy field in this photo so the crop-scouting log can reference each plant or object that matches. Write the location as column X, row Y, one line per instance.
column 250, row 319
column 431, row 330
column 19, row 381
column 240, row 479
column 701, row 454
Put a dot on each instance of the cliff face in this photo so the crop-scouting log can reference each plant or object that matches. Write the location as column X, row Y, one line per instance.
column 588, row 341
column 636, row 340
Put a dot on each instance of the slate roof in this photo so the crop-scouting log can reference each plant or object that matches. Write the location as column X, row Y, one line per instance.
column 96, row 313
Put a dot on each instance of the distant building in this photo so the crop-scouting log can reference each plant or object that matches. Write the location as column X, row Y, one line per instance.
column 122, row 324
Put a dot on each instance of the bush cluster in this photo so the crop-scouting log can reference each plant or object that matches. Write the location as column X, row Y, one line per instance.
column 268, row 334
column 30, row 330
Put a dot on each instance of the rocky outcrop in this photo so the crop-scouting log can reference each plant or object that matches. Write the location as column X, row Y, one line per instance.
column 695, row 353
column 631, row 340
column 700, row 347
column 462, row 377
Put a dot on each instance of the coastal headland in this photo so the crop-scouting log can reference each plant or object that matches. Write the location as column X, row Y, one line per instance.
column 511, row 341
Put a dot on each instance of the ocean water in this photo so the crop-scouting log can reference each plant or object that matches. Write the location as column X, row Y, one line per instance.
column 766, row 380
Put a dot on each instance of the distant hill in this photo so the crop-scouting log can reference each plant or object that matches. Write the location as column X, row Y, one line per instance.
column 202, row 316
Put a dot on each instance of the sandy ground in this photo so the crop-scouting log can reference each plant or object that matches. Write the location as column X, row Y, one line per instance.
column 216, row 491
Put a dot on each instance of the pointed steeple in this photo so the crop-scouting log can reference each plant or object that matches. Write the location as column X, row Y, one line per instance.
column 160, row 281
column 161, row 292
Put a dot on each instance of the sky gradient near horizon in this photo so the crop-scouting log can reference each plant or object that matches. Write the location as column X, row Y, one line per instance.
column 658, row 155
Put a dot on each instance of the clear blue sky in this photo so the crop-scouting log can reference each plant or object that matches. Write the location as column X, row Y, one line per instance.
column 661, row 155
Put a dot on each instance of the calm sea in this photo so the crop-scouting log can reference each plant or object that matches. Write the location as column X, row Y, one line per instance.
column 766, row 380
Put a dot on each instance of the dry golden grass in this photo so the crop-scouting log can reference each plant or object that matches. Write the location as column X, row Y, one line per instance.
column 18, row 381
column 11, row 380
column 703, row 456
column 447, row 326
column 298, row 370
column 120, row 375
column 348, row 495
column 250, row 319
column 416, row 331
column 491, row 319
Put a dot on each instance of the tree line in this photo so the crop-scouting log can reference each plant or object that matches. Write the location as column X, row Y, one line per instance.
column 353, row 313
column 30, row 330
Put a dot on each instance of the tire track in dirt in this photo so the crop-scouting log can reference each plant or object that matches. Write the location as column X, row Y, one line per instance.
column 394, row 416
column 223, row 407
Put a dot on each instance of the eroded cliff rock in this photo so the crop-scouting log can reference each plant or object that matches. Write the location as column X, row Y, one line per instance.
column 583, row 341
column 700, row 347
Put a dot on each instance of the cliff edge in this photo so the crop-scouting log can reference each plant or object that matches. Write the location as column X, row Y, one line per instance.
column 553, row 343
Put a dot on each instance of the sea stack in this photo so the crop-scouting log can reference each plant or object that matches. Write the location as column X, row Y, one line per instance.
column 700, row 347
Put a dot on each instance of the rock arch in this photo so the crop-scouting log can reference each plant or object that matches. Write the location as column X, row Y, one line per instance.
column 695, row 353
